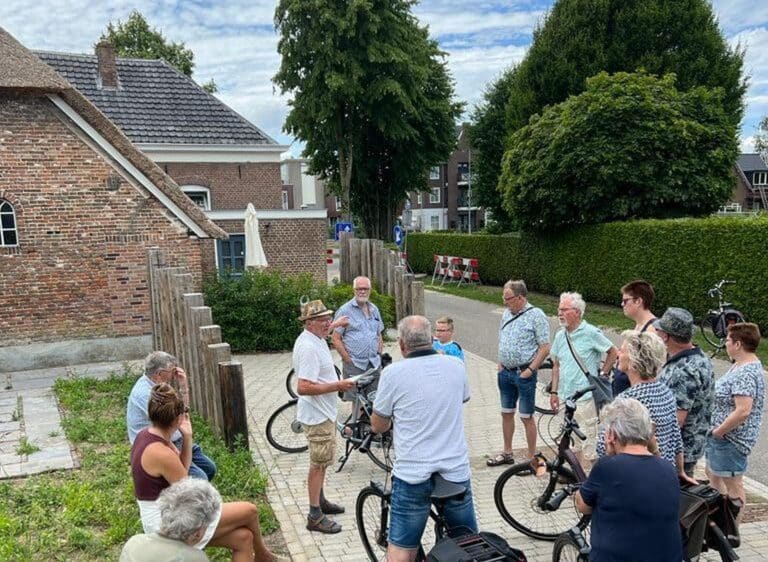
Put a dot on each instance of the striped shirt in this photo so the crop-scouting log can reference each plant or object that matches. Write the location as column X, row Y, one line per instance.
column 361, row 336
column 660, row 402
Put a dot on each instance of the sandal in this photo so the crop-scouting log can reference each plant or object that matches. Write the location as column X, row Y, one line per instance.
column 501, row 458
column 323, row 525
column 536, row 467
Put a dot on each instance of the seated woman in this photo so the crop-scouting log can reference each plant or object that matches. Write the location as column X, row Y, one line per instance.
column 633, row 496
column 641, row 356
column 156, row 464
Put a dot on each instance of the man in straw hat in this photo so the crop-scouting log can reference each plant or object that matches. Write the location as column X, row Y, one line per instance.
column 316, row 410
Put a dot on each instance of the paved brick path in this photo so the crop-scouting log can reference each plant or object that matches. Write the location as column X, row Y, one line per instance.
column 265, row 389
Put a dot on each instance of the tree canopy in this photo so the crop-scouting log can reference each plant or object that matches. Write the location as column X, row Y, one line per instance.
column 630, row 146
column 370, row 96
column 580, row 38
column 761, row 138
column 135, row 38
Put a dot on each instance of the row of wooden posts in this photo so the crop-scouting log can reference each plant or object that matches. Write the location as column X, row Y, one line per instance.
column 183, row 326
column 385, row 269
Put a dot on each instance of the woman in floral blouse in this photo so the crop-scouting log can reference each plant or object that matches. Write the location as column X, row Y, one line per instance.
column 737, row 412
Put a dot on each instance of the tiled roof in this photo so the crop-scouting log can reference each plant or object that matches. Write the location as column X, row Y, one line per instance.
column 751, row 163
column 157, row 104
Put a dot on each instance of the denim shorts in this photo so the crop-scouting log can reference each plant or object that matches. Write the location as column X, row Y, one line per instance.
column 410, row 507
column 513, row 387
column 724, row 459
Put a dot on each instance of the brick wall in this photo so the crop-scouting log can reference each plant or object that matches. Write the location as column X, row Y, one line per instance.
column 80, row 268
column 290, row 245
column 233, row 186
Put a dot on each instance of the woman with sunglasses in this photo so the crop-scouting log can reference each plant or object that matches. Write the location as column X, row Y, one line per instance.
column 156, row 464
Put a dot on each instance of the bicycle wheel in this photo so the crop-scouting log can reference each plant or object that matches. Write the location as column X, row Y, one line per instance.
column 284, row 432
column 291, row 381
column 372, row 517
column 543, row 381
column 517, row 499
column 708, row 333
column 567, row 550
column 380, row 451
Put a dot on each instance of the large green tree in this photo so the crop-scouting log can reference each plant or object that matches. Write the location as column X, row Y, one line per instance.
column 761, row 138
column 135, row 38
column 630, row 146
column 371, row 98
column 580, row 38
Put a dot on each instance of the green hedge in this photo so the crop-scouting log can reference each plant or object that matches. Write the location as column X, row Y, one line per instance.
column 682, row 258
column 259, row 311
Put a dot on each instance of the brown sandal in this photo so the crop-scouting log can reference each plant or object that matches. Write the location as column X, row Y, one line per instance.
column 323, row 525
column 501, row 458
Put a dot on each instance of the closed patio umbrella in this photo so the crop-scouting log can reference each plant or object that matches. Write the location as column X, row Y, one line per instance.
column 254, row 252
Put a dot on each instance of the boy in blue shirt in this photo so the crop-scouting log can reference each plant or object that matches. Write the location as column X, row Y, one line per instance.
column 443, row 342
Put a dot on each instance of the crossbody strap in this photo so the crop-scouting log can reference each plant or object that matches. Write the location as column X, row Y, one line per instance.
column 515, row 317
column 576, row 356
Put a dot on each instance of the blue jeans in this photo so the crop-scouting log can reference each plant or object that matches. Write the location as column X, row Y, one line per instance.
column 202, row 467
column 409, row 512
column 724, row 459
column 513, row 387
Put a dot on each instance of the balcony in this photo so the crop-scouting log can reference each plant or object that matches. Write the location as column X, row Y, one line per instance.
column 463, row 177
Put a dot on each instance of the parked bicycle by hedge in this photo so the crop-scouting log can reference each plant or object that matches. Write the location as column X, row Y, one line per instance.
column 286, row 433
column 714, row 324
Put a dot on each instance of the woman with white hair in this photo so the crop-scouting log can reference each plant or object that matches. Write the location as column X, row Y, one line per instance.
column 633, row 496
column 641, row 356
column 187, row 508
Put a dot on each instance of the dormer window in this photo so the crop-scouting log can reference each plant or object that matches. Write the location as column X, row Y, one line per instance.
column 8, row 234
column 760, row 178
column 200, row 196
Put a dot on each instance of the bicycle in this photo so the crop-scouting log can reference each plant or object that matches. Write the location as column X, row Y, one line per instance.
column 372, row 515
column 291, row 381
column 286, row 433
column 714, row 324
column 539, row 515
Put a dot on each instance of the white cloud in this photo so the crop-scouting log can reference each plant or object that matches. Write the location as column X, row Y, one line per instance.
column 748, row 144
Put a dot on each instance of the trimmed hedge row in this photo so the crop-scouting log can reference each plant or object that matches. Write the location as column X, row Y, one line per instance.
column 682, row 258
column 258, row 311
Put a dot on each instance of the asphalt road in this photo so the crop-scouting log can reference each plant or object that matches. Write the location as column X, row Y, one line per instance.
column 477, row 328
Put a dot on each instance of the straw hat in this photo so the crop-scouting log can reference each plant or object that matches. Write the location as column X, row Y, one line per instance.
column 314, row 309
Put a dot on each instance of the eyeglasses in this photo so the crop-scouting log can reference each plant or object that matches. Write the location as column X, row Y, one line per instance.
column 626, row 300
column 507, row 299
column 362, row 289
column 443, row 330
column 566, row 309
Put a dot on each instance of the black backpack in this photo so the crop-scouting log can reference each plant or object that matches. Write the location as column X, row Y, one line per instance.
column 482, row 547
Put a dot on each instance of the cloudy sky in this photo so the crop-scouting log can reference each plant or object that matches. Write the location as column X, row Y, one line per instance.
column 235, row 43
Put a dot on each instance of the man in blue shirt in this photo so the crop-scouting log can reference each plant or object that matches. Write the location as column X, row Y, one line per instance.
column 443, row 342
column 160, row 366
column 360, row 342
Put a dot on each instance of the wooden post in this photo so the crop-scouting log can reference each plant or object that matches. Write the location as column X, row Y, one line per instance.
column 233, row 393
column 407, row 296
column 392, row 287
column 155, row 261
column 167, row 311
column 209, row 335
column 193, row 300
column 182, row 283
column 375, row 275
column 399, row 304
column 417, row 297
column 219, row 353
column 354, row 262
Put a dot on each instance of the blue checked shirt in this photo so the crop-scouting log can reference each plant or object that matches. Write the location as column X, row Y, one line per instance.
column 520, row 340
column 361, row 337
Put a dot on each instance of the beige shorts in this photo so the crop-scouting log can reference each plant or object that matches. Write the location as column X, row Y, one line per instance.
column 586, row 416
column 322, row 443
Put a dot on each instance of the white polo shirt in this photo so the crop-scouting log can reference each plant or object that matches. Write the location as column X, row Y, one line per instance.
column 312, row 361
column 424, row 396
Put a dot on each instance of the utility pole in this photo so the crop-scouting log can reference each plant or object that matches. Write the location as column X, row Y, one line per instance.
column 469, row 190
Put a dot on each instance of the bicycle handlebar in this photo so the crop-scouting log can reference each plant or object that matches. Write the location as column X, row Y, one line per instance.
column 366, row 444
column 553, row 504
column 582, row 392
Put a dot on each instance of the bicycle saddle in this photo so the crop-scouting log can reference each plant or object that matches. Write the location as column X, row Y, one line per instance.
column 444, row 489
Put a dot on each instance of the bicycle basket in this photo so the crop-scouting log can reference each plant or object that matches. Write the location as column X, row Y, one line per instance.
column 482, row 547
column 726, row 318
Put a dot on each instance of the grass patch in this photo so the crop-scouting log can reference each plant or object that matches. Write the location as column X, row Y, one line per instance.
column 89, row 513
column 26, row 448
column 598, row 314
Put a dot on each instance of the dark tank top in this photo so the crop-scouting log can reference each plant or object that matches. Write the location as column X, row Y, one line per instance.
column 145, row 486
column 620, row 379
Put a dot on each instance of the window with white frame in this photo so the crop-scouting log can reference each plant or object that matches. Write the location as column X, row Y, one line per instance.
column 434, row 195
column 285, row 200
column 8, row 234
column 434, row 222
column 200, row 196
column 418, row 199
column 434, row 173
column 760, row 178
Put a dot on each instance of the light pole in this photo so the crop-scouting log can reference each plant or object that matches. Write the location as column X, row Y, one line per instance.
column 469, row 190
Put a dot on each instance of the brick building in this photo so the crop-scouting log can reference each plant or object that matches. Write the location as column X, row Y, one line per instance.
column 79, row 207
column 218, row 158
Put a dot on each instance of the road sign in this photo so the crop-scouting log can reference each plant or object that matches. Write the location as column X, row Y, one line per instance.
column 398, row 235
column 343, row 227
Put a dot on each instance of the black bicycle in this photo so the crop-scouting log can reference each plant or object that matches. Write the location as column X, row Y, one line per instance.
column 541, row 513
column 714, row 325
column 372, row 515
column 292, row 381
column 286, row 433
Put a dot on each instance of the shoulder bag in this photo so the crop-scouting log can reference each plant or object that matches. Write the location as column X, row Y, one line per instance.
column 603, row 392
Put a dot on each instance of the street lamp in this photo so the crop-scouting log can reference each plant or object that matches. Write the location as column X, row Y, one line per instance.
column 469, row 190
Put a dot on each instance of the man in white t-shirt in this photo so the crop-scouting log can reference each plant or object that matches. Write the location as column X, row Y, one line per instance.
column 422, row 398
column 316, row 409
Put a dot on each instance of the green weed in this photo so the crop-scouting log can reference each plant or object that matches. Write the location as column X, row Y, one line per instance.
column 26, row 448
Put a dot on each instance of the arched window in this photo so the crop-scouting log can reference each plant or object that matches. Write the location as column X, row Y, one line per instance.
column 8, row 234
